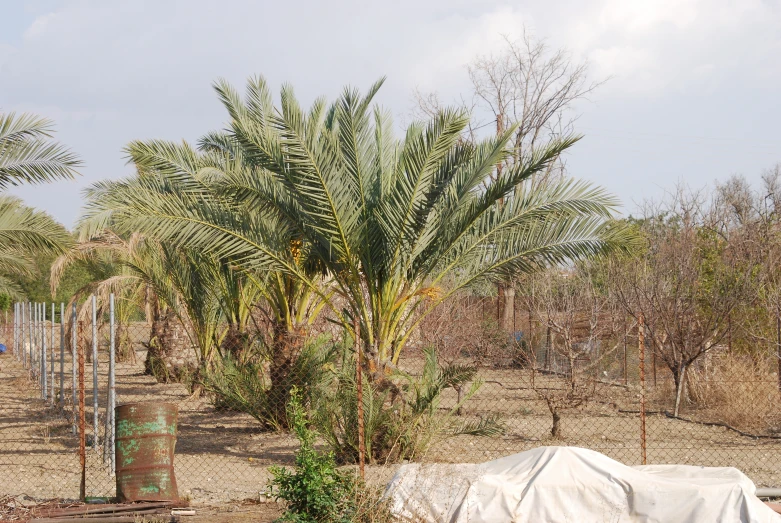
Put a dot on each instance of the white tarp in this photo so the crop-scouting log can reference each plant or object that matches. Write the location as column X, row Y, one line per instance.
column 570, row 484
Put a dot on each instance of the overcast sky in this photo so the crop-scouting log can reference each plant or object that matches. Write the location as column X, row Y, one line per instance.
column 694, row 91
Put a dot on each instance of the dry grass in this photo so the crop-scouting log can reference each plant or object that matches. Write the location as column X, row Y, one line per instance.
column 737, row 391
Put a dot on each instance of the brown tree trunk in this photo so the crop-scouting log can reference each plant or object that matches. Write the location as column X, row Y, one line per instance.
column 234, row 342
column 679, row 377
column 555, row 430
column 169, row 357
column 286, row 347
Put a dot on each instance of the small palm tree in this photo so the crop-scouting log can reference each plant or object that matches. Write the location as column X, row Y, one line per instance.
column 209, row 286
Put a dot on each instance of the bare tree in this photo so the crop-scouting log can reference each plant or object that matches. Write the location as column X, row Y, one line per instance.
column 581, row 322
column 686, row 283
column 529, row 85
column 749, row 220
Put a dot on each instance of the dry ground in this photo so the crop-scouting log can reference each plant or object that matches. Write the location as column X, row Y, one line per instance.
column 223, row 457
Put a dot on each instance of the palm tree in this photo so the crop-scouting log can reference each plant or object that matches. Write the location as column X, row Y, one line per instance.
column 24, row 232
column 28, row 156
column 400, row 225
column 209, row 286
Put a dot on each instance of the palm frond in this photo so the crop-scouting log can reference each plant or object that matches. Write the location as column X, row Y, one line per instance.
column 28, row 156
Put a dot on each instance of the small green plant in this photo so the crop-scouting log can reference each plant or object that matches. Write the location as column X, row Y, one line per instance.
column 400, row 423
column 315, row 491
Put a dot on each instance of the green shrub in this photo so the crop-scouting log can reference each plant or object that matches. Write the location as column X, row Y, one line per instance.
column 315, row 491
column 246, row 387
column 403, row 421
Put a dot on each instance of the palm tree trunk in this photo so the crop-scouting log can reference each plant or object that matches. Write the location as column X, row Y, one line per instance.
column 286, row 347
column 169, row 356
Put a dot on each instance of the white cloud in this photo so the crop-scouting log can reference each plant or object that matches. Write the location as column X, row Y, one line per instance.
column 113, row 71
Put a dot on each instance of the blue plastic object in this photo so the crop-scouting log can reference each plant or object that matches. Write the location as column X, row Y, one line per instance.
column 2, row 348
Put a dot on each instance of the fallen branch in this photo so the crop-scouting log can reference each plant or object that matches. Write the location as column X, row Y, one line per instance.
column 722, row 424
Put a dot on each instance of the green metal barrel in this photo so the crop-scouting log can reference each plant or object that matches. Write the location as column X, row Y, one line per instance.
column 145, row 441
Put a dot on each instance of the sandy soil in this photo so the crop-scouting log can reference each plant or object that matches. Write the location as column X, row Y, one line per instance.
column 222, row 456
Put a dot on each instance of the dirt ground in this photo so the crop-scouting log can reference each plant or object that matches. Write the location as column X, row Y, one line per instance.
column 222, row 457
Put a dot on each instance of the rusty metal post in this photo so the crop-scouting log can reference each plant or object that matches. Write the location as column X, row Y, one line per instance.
column 359, row 386
column 74, row 365
column 82, row 425
column 641, row 347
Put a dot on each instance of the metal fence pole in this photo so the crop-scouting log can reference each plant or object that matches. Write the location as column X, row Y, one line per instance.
column 74, row 363
column 51, row 360
column 38, row 344
column 34, row 349
column 23, row 354
column 82, row 431
column 641, row 349
column 44, row 372
column 111, row 382
column 16, row 308
column 30, row 333
column 37, row 335
column 94, row 374
column 62, row 355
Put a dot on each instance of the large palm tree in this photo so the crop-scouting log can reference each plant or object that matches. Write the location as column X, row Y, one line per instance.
column 400, row 225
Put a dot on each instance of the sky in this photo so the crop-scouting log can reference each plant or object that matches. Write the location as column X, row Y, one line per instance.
column 692, row 92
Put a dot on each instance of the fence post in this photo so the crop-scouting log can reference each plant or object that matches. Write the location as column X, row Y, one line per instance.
column 62, row 356
column 94, row 375
column 641, row 347
column 359, row 397
column 51, row 360
column 82, row 435
column 34, row 348
column 20, row 337
column 44, row 371
column 30, row 334
column 111, row 378
column 22, row 352
column 16, row 352
column 74, row 364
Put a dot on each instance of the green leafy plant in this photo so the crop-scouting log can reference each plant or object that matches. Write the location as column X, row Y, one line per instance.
column 315, row 491
column 245, row 386
column 400, row 422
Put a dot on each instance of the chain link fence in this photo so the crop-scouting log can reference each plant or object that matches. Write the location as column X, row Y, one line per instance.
column 469, row 393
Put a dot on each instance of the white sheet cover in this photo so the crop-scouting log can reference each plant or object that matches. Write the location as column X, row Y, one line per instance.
column 573, row 485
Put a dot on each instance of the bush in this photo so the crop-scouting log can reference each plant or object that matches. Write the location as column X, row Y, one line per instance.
column 402, row 421
column 246, row 387
column 316, row 491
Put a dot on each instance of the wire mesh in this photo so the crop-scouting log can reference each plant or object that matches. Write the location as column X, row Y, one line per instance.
column 526, row 388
